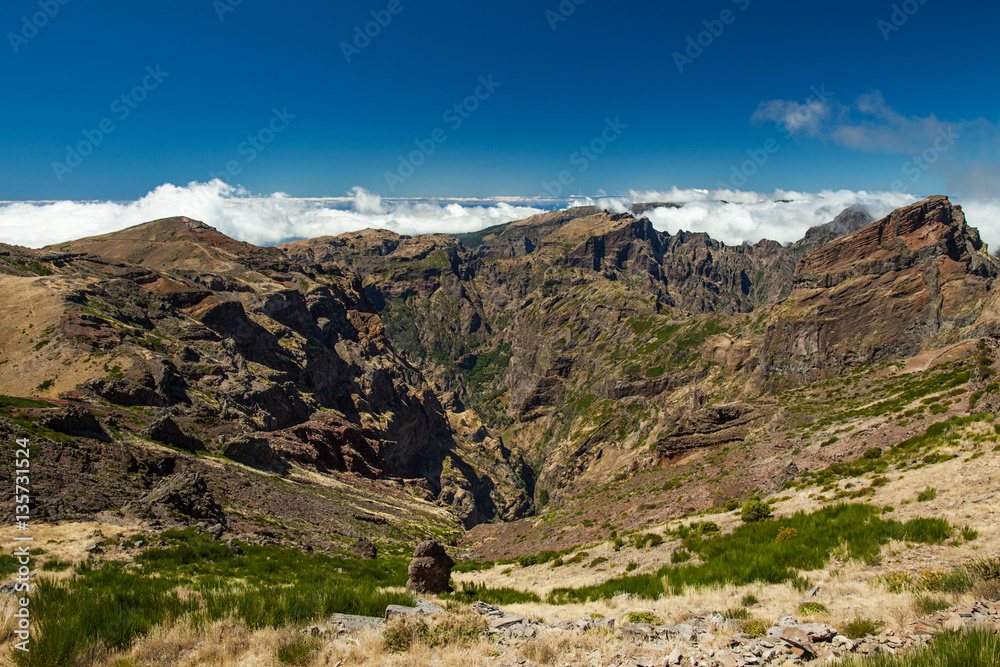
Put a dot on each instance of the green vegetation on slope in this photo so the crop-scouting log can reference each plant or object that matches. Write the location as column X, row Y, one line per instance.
column 751, row 553
column 113, row 606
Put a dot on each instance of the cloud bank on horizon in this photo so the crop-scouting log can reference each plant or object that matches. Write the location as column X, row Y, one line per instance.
column 730, row 216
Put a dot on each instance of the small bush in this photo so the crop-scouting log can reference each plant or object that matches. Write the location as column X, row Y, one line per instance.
column 298, row 651
column 969, row 533
column 861, row 627
column 643, row 617
column 786, row 534
column 755, row 511
column 872, row 453
column 925, row 605
column 738, row 613
column 809, row 608
column 755, row 627
column 402, row 632
column 985, row 568
column 731, row 505
column 929, row 493
column 749, row 600
column 681, row 555
column 456, row 630
column 632, row 567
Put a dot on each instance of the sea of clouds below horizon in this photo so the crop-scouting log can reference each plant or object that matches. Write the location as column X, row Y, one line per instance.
column 730, row 216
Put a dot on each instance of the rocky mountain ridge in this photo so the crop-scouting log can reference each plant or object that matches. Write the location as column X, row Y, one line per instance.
column 489, row 374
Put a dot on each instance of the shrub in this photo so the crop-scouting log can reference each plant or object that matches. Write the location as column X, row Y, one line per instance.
column 297, row 651
column 597, row 561
column 643, row 617
column 861, row 627
column 755, row 510
column 755, row 627
column 929, row 493
column 632, row 566
column 738, row 613
column 985, row 568
column 786, row 534
column 650, row 539
column 731, row 505
column 925, row 605
column 969, row 533
column 681, row 555
column 709, row 529
column 872, row 453
column 402, row 632
column 456, row 630
column 619, row 542
column 749, row 600
column 808, row 608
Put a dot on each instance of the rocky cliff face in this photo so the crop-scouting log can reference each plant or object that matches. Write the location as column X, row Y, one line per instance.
column 248, row 347
column 916, row 279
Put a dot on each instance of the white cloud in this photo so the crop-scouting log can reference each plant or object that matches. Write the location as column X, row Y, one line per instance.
column 731, row 216
column 868, row 124
column 261, row 220
column 734, row 216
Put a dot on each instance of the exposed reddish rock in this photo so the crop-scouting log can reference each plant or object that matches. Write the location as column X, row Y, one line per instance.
column 916, row 278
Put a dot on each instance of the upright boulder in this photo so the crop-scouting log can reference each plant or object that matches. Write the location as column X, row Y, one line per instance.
column 430, row 569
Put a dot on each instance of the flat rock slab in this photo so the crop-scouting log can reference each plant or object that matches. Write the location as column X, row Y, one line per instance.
column 506, row 621
column 348, row 622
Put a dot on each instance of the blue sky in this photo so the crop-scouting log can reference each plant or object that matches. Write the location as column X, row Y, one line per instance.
column 886, row 95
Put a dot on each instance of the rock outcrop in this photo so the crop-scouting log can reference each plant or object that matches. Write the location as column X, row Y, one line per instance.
column 430, row 569
column 919, row 277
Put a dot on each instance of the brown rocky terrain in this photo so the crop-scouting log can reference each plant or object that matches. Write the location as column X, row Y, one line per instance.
column 536, row 363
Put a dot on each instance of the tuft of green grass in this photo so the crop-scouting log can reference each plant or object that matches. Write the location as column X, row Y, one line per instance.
column 925, row 605
column 929, row 493
column 749, row 600
column 809, row 608
column 643, row 617
column 861, row 627
column 55, row 565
